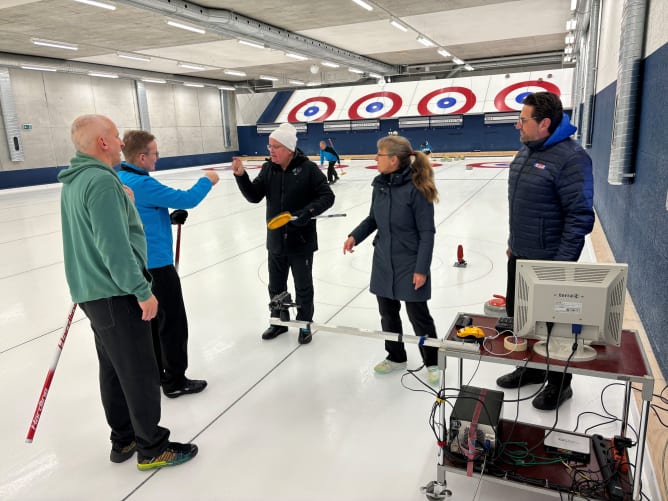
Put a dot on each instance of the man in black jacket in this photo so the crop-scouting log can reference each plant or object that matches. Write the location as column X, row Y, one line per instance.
column 291, row 183
column 550, row 202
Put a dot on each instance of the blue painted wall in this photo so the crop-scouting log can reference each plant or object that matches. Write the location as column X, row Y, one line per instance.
column 48, row 175
column 634, row 216
column 474, row 135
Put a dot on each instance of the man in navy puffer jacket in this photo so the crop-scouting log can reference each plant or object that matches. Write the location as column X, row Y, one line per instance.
column 550, row 197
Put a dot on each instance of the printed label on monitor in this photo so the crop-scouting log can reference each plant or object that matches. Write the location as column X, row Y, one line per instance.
column 567, row 307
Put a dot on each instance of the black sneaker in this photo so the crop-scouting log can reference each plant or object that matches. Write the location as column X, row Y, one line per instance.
column 274, row 331
column 120, row 453
column 173, row 455
column 551, row 398
column 521, row 376
column 305, row 335
column 189, row 386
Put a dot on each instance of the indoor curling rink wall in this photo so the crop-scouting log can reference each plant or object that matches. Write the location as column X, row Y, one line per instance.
column 278, row 420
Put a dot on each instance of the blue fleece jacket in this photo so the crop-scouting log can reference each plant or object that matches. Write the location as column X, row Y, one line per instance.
column 153, row 200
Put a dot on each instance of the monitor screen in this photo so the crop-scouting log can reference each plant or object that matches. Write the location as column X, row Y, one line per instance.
column 583, row 298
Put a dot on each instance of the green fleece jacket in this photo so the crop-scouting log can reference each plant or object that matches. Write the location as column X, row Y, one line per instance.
column 103, row 239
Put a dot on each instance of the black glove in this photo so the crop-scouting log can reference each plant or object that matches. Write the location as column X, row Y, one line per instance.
column 179, row 216
column 303, row 218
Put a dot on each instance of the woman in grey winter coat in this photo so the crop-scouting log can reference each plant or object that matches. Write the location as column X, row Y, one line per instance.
column 402, row 214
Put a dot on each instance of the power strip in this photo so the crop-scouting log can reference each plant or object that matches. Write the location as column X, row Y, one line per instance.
column 461, row 346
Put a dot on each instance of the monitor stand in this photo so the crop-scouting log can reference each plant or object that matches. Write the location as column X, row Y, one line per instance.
column 561, row 348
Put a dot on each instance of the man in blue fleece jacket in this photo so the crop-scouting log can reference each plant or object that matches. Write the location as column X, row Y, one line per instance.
column 153, row 200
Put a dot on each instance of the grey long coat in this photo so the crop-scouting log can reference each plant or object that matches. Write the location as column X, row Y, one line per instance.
column 404, row 241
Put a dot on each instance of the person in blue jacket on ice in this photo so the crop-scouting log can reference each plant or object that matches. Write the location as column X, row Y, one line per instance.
column 153, row 200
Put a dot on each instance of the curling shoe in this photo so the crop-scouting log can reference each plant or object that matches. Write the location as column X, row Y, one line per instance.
column 274, row 331
column 387, row 366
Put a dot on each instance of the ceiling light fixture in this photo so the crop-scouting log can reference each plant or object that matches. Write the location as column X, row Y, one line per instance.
column 251, row 44
column 570, row 39
column 101, row 5
column 355, row 70
column 226, row 87
column 189, row 66
column 267, row 77
column 331, row 65
column 443, row 52
column 134, row 57
column 571, row 24
column 574, row 5
column 398, row 25
column 364, row 5
column 188, row 84
column 38, row 68
column 186, row 27
column 296, row 56
column 296, row 82
column 425, row 41
column 154, row 80
column 54, row 43
column 102, row 75
column 234, row 73
column 375, row 75
column 468, row 67
column 312, row 84
column 456, row 60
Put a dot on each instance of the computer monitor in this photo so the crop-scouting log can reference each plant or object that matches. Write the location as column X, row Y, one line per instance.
column 572, row 296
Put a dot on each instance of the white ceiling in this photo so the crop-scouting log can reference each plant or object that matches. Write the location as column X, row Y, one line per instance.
column 491, row 35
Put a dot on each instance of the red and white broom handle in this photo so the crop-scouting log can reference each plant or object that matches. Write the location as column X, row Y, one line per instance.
column 49, row 378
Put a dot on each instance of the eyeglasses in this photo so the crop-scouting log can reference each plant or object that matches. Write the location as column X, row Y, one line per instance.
column 521, row 120
column 272, row 147
column 384, row 155
column 156, row 153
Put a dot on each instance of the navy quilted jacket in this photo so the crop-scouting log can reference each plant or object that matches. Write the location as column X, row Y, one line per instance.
column 404, row 242
column 550, row 197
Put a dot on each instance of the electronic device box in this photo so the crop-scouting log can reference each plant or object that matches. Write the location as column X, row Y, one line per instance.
column 475, row 421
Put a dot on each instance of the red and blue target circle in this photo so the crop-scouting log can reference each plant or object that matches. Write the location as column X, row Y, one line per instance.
column 489, row 165
column 510, row 98
column 375, row 105
column 448, row 100
column 314, row 109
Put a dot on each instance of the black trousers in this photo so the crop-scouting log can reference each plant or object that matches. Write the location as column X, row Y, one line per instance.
column 129, row 383
column 170, row 327
column 421, row 320
column 331, row 172
column 302, row 274
column 553, row 377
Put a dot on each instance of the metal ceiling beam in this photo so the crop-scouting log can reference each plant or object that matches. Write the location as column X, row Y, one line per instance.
column 230, row 24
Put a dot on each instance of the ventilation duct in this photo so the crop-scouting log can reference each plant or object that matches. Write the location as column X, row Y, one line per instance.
column 142, row 106
column 234, row 25
column 621, row 170
column 9, row 117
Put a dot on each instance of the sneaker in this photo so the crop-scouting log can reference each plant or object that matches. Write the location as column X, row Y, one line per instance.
column 550, row 398
column 173, row 455
column 305, row 335
column 120, row 453
column 433, row 374
column 189, row 386
column 387, row 366
column 273, row 331
column 521, row 377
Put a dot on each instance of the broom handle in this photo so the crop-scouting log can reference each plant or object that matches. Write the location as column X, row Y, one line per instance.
column 49, row 377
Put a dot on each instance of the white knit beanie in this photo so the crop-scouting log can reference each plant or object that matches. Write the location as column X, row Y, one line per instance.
column 286, row 134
